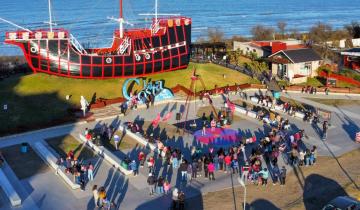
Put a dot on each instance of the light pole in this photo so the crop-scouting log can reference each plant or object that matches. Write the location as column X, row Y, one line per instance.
column 242, row 183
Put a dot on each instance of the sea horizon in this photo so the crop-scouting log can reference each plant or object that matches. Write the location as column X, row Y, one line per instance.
column 87, row 20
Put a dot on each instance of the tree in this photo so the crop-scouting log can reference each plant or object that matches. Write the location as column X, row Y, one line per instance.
column 215, row 35
column 261, row 32
column 282, row 28
column 320, row 33
column 294, row 33
column 257, row 68
column 353, row 29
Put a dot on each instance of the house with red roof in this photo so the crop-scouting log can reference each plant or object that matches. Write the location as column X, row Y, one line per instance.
column 263, row 49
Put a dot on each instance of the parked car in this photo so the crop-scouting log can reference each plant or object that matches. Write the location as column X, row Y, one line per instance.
column 342, row 203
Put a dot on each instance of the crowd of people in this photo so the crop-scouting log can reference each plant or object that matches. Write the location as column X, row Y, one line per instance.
column 258, row 167
column 100, row 198
column 82, row 172
column 280, row 141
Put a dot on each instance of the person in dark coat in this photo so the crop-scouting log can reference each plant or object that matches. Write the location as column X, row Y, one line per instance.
column 282, row 176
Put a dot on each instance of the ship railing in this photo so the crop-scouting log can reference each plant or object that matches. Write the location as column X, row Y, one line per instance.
column 77, row 44
column 124, row 45
column 155, row 27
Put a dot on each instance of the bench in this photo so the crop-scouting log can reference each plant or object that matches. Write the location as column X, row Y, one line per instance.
column 50, row 158
column 241, row 110
column 106, row 154
column 9, row 190
column 251, row 114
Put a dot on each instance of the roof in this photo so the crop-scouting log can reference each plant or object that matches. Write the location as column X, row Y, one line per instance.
column 351, row 52
column 300, row 55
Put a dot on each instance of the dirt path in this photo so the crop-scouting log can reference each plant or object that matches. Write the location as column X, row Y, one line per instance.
column 306, row 188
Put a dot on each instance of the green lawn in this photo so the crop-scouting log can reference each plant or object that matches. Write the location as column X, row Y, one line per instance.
column 313, row 82
column 126, row 142
column 345, row 84
column 63, row 144
column 37, row 100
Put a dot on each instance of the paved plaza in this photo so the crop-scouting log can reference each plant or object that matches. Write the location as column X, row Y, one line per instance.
column 48, row 191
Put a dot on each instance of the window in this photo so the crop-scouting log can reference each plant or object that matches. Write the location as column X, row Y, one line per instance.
column 308, row 65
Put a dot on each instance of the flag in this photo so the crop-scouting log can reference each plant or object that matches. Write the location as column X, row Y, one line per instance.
column 167, row 117
column 156, row 121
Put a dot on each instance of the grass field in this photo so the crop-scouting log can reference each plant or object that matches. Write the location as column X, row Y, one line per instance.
column 39, row 99
column 63, row 144
column 126, row 142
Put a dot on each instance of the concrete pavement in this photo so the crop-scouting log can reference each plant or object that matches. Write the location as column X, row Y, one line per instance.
column 132, row 193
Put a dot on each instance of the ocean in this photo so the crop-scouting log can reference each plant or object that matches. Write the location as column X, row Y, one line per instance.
column 87, row 19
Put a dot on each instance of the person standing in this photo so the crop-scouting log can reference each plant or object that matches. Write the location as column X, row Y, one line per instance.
column 116, row 141
column 282, row 176
column 167, row 187
column 276, row 174
column 203, row 131
column 151, row 163
column 211, row 169
column 235, row 166
column 175, row 198
column 181, row 198
column 199, row 167
column 151, row 182
column 141, row 158
column 90, row 172
column 245, row 172
column 96, row 195
column 84, row 105
column 227, row 160
column 221, row 161
column 134, row 168
column 301, row 158
column 194, row 169
column 160, row 185
column 189, row 172
column 216, row 162
column 325, row 128
column 264, row 176
column 206, row 164
column 313, row 155
column 183, row 169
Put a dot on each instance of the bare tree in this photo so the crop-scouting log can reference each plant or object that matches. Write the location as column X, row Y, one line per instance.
column 294, row 33
column 354, row 29
column 282, row 28
column 320, row 33
column 215, row 35
column 261, row 32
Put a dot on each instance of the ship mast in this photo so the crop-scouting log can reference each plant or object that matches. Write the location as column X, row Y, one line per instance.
column 121, row 20
column 156, row 11
column 50, row 17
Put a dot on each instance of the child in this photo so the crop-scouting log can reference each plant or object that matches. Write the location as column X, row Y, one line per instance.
column 235, row 166
column 167, row 187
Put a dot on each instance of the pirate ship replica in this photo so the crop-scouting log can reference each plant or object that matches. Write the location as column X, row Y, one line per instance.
column 134, row 52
